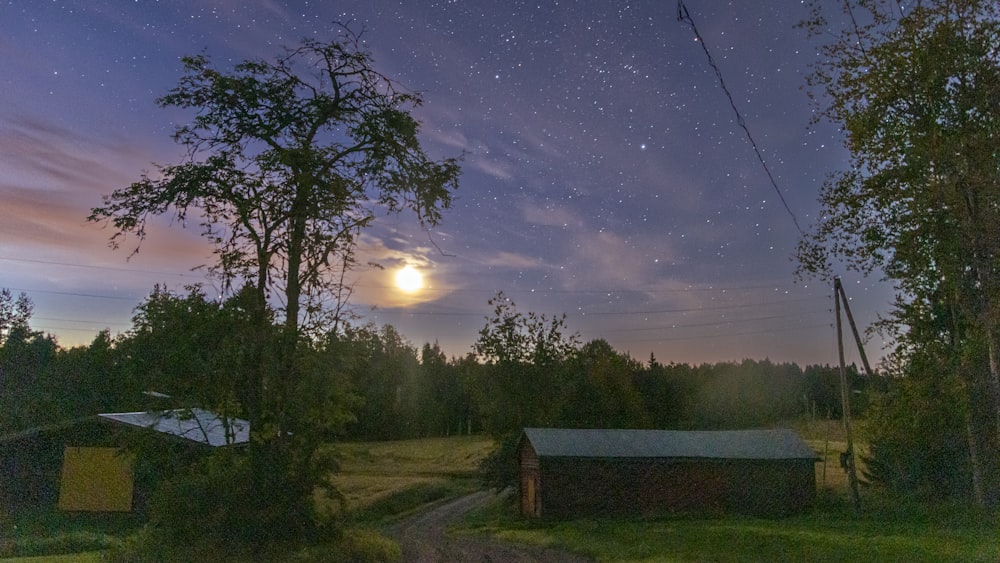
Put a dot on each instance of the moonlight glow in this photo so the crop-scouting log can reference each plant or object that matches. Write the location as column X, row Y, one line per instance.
column 409, row 279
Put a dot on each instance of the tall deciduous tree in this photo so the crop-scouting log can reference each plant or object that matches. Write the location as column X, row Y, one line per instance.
column 288, row 160
column 14, row 312
column 917, row 96
column 525, row 356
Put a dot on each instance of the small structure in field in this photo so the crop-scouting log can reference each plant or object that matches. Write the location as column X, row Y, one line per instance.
column 573, row 472
column 80, row 465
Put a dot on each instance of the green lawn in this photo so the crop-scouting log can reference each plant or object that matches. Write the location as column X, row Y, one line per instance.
column 89, row 557
column 816, row 537
column 53, row 532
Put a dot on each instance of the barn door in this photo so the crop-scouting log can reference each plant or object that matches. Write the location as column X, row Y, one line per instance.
column 530, row 500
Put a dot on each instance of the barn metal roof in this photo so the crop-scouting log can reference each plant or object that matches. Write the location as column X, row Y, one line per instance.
column 704, row 444
column 197, row 425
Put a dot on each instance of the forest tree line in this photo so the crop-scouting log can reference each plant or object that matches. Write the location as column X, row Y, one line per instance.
column 184, row 346
column 524, row 370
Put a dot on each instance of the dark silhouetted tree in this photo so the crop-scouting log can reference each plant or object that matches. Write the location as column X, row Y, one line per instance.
column 916, row 96
column 288, row 161
column 523, row 379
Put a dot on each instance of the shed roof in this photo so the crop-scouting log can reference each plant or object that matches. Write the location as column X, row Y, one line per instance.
column 197, row 425
column 700, row 444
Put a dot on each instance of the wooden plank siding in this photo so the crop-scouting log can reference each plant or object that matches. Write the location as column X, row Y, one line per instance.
column 560, row 486
column 530, row 486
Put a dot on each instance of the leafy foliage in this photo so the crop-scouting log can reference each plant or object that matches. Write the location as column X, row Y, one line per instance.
column 14, row 312
column 287, row 162
column 917, row 442
column 916, row 97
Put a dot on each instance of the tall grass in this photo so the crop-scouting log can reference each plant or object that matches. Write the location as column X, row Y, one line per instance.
column 50, row 531
column 383, row 481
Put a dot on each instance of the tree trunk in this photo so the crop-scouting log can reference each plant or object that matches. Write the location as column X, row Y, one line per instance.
column 992, row 405
column 293, row 292
column 975, row 461
column 994, row 379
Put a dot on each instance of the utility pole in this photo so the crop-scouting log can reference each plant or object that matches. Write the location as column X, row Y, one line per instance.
column 845, row 396
column 839, row 287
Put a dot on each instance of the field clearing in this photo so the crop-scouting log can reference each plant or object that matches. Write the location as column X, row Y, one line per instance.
column 382, row 480
column 829, row 439
column 458, row 455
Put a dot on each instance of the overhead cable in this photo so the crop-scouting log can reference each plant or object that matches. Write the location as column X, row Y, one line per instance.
column 685, row 17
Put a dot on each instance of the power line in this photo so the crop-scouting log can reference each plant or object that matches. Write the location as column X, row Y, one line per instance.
column 579, row 314
column 91, row 266
column 729, row 334
column 699, row 309
column 84, row 321
column 720, row 323
column 684, row 16
column 71, row 293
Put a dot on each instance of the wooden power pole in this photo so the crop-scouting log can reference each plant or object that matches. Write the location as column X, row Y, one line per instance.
column 845, row 392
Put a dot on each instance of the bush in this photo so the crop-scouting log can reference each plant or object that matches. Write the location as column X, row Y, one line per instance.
column 227, row 506
column 500, row 468
column 917, row 440
column 71, row 542
column 356, row 546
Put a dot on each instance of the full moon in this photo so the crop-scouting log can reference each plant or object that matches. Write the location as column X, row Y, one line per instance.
column 409, row 279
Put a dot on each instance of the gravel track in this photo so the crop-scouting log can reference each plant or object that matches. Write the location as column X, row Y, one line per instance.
column 424, row 539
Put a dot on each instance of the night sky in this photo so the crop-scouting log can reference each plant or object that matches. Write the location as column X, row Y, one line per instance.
column 605, row 174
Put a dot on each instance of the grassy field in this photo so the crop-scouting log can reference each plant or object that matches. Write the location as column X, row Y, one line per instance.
column 818, row 537
column 53, row 532
column 384, row 481
column 88, row 557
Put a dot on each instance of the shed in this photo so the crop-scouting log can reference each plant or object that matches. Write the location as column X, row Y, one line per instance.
column 80, row 465
column 586, row 472
column 196, row 425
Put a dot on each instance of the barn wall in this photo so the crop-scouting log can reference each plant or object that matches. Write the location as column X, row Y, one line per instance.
column 770, row 488
column 573, row 487
column 530, row 480
column 95, row 480
column 31, row 464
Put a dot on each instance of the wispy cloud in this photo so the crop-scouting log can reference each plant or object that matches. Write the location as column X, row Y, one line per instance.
column 513, row 260
column 549, row 214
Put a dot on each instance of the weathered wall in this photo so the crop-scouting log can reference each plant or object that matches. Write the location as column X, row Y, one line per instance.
column 572, row 487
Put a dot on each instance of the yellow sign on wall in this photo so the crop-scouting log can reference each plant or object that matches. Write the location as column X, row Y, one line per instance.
column 95, row 480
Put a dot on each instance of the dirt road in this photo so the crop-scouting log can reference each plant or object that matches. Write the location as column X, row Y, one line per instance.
column 424, row 539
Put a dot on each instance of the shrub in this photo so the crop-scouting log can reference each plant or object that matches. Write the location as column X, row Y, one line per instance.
column 356, row 545
column 224, row 508
column 917, row 440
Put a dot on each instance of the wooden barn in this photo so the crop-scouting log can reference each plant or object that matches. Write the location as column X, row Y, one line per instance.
column 80, row 465
column 569, row 472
